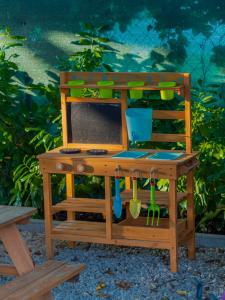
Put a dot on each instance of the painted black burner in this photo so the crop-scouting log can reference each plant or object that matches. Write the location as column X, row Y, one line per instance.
column 97, row 151
column 69, row 150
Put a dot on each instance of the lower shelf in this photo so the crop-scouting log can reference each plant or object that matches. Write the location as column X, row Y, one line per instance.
column 129, row 232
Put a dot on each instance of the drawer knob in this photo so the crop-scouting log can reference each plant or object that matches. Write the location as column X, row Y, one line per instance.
column 63, row 167
column 80, row 168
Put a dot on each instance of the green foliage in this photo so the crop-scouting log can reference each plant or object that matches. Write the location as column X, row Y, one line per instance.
column 21, row 119
column 45, row 132
column 209, row 139
column 30, row 124
column 94, row 45
column 12, row 105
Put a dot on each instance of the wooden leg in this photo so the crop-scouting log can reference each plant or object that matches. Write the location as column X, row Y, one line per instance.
column 127, row 183
column 70, row 194
column 128, row 214
column 128, row 187
column 108, row 207
column 191, row 214
column 17, row 249
column 173, row 225
column 48, row 214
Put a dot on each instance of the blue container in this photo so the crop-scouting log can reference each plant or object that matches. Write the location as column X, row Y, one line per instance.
column 139, row 124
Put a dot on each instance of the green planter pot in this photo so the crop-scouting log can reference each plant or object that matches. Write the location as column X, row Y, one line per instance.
column 105, row 93
column 136, row 94
column 76, row 92
column 167, row 94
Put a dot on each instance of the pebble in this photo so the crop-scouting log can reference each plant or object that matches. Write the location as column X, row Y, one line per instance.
column 121, row 273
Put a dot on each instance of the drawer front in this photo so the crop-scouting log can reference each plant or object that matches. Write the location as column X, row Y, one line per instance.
column 97, row 167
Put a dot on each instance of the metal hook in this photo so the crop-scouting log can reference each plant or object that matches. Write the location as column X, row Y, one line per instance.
column 134, row 173
column 117, row 171
column 152, row 174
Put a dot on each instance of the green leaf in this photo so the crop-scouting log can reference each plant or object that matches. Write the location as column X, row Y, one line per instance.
column 12, row 45
column 107, row 67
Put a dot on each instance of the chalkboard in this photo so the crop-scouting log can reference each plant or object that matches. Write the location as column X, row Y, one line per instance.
column 94, row 123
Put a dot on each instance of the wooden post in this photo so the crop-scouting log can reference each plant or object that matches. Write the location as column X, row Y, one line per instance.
column 48, row 214
column 173, row 225
column 70, row 194
column 126, row 144
column 108, row 207
column 191, row 214
column 17, row 249
column 187, row 101
column 64, row 118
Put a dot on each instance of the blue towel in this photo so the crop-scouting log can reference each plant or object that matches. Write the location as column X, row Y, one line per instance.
column 166, row 155
column 130, row 154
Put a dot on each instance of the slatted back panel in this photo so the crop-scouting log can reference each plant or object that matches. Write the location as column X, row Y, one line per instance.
column 150, row 79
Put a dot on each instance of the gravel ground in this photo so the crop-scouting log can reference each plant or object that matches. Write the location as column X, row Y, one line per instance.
column 121, row 273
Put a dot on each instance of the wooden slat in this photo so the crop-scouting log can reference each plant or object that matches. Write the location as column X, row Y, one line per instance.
column 168, row 115
column 122, row 87
column 159, row 244
column 40, row 281
column 80, row 205
column 81, row 228
column 118, row 77
column 14, row 214
column 162, row 198
column 110, row 147
column 92, row 100
column 137, row 229
column 167, row 137
column 8, row 270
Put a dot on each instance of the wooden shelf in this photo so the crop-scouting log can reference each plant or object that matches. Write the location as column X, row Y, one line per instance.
column 80, row 231
column 138, row 230
column 162, row 198
column 80, row 205
column 127, row 232
column 122, row 87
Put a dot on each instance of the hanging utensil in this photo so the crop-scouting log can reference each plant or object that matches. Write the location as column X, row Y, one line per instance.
column 153, row 207
column 135, row 204
column 117, row 204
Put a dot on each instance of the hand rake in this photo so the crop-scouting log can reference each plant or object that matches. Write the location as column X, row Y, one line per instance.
column 153, row 207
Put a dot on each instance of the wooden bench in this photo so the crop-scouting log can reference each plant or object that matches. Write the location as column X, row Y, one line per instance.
column 37, row 285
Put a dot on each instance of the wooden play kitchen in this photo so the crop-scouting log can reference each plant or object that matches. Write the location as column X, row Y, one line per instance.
column 96, row 134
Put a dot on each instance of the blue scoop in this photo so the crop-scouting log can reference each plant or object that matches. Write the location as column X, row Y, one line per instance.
column 117, row 204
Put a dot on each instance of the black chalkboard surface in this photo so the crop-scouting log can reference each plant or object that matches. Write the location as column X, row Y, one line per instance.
column 94, row 123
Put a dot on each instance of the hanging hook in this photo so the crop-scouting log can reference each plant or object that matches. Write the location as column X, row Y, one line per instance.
column 134, row 173
column 152, row 174
column 117, row 171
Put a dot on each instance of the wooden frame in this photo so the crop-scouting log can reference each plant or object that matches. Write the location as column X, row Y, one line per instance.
column 172, row 232
column 12, row 240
